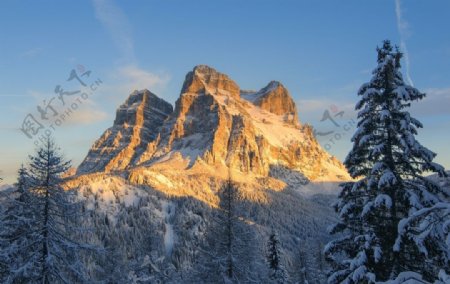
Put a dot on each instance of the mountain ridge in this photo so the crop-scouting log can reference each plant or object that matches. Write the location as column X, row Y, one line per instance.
column 213, row 130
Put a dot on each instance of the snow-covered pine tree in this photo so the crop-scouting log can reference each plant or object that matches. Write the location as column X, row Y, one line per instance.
column 53, row 253
column 319, row 257
column 277, row 272
column 388, row 164
column 301, row 266
column 227, row 254
column 229, row 194
column 429, row 230
column 16, row 224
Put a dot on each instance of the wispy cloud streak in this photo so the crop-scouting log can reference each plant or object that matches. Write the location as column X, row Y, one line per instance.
column 31, row 52
column 127, row 76
column 403, row 30
column 116, row 23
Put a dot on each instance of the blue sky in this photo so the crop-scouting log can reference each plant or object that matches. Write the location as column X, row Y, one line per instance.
column 322, row 51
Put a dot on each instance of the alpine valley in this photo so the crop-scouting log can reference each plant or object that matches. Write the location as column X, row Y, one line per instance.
column 152, row 182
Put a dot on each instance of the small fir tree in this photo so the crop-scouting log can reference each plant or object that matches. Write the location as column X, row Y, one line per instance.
column 277, row 272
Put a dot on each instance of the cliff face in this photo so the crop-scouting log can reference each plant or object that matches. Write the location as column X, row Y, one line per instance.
column 214, row 130
column 136, row 125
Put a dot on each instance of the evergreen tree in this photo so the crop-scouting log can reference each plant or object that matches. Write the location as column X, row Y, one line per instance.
column 388, row 164
column 17, row 223
column 319, row 257
column 227, row 254
column 301, row 267
column 229, row 197
column 43, row 224
column 277, row 273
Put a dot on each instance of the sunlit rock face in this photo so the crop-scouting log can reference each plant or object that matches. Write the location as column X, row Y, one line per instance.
column 274, row 98
column 206, row 79
column 215, row 130
column 136, row 125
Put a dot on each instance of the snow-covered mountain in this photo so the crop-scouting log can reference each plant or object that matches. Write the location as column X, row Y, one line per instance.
column 155, row 175
column 213, row 128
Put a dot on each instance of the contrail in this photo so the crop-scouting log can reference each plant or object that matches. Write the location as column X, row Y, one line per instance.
column 402, row 27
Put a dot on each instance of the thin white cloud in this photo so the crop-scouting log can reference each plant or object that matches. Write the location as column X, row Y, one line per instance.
column 367, row 71
column 313, row 105
column 38, row 96
column 137, row 78
column 128, row 76
column 83, row 116
column 87, row 113
column 311, row 111
column 14, row 95
column 118, row 26
column 404, row 32
column 436, row 103
column 123, row 80
column 443, row 92
column 31, row 52
column 323, row 104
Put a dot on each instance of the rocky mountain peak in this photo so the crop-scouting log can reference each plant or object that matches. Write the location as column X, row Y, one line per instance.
column 204, row 79
column 272, row 85
column 276, row 99
column 204, row 70
column 136, row 125
column 214, row 127
column 139, row 104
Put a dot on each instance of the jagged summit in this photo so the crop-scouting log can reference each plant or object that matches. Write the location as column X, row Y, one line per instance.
column 136, row 124
column 213, row 129
column 204, row 79
column 139, row 107
column 276, row 99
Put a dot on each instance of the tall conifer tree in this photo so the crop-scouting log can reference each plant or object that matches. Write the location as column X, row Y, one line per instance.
column 388, row 164
column 42, row 225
